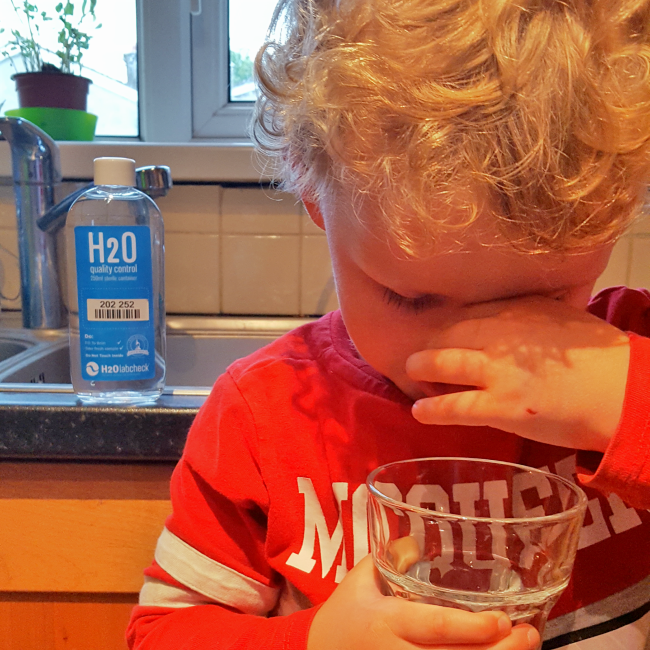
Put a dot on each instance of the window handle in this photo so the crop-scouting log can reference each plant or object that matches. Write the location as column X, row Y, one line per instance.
column 195, row 7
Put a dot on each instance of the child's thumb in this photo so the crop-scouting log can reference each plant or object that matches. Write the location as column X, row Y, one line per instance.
column 365, row 576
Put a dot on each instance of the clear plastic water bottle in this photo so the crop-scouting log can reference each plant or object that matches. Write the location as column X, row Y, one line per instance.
column 116, row 280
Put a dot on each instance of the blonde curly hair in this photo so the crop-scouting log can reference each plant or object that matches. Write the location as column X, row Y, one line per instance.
column 542, row 106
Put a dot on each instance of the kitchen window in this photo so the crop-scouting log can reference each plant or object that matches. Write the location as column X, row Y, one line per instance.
column 109, row 62
column 194, row 57
column 192, row 80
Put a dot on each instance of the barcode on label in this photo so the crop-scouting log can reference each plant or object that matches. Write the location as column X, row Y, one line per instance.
column 117, row 314
column 118, row 310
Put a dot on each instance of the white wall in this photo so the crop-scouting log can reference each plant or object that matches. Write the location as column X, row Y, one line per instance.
column 227, row 250
column 253, row 251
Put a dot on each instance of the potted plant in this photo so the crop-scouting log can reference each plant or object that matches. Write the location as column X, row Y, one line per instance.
column 43, row 84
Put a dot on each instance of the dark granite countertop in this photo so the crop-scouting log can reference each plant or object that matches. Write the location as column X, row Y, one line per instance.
column 55, row 425
column 48, row 422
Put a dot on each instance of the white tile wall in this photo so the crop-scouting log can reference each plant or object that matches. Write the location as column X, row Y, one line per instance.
column 227, row 250
column 317, row 290
column 261, row 274
column 9, row 273
column 191, row 209
column 640, row 262
column 192, row 273
column 618, row 269
column 253, row 211
column 255, row 251
column 192, row 249
column 242, row 251
column 9, row 270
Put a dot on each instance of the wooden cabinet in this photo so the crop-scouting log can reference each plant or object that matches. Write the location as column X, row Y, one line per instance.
column 74, row 540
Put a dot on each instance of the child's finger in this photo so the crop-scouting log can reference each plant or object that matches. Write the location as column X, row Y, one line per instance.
column 431, row 625
column 522, row 637
column 469, row 408
column 473, row 333
column 448, row 366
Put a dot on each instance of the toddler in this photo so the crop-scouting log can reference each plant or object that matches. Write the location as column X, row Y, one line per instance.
column 472, row 163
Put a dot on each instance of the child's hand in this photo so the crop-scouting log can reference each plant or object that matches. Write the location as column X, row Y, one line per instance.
column 537, row 367
column 357, row 616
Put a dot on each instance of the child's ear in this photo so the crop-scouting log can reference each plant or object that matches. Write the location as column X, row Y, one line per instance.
column 314, row 212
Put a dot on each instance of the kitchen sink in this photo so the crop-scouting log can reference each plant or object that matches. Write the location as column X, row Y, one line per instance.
column 191, row 360
column 15, row 342
column 198, row 350
column 10, row 348
column 42, row 418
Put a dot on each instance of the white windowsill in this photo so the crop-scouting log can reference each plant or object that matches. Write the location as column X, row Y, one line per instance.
column 232, row 161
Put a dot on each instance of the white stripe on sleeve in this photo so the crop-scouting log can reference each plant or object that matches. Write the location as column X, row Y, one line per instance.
column 210, row 578
column 156, row 593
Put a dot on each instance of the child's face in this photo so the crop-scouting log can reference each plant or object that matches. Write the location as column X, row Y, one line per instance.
column 393, row 307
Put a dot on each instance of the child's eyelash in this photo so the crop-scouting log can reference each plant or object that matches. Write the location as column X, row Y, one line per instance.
column 415, row 305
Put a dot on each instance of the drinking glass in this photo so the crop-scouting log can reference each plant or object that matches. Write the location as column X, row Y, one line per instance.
column 475, row 534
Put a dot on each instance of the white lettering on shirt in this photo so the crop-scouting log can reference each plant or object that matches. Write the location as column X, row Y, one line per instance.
column 594, row 530
column 315, row 524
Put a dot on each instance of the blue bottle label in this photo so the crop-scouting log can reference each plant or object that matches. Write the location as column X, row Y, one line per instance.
column 115, row 292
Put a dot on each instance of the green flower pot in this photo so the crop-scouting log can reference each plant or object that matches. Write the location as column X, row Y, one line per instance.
column 59, row 123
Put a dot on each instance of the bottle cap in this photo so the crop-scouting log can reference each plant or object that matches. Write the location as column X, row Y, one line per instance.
column 115, row 171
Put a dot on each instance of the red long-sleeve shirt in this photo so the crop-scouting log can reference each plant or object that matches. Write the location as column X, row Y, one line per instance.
column 269, row 498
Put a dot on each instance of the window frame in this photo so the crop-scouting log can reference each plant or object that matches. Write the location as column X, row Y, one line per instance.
column 183, row 77
column 165, row 107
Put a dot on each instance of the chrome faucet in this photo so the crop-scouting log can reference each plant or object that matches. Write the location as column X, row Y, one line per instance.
column 36, row 179
column 36, row 176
